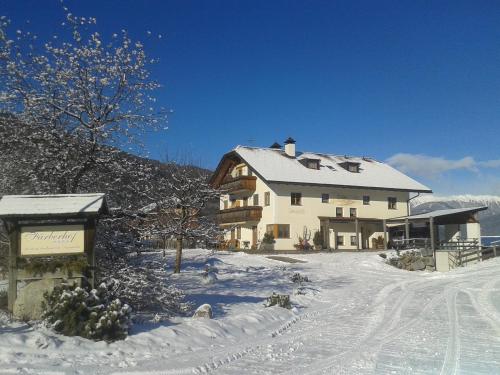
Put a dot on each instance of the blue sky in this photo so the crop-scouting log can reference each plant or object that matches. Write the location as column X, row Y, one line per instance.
column 413, row 82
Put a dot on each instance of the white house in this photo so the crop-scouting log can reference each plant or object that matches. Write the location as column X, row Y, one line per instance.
column 294, row 194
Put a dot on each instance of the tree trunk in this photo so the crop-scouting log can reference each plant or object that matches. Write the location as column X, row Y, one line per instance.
column 178, row 255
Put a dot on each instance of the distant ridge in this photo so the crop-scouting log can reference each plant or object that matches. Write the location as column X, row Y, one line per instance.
column 490, row 219
column 485, row 200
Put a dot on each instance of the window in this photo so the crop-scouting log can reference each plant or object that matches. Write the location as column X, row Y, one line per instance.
column 392, row 203
column 238, row 233
column 313, row 164
column 296, row 199
column 353, row 168
column 354, row 241
column 233, row 203
column 245, row 201
column 226, row 204
column 350, row 166
column 340, row 240
column 339, row 212
column 256, row 199
column 267, row 198
column 352, row 212
column 310, row 163
column 366, row 200
column 325, row 198
column 283, row 231
column 279, row 230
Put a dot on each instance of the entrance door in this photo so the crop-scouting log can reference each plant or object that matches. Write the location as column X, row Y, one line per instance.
column 254, row 237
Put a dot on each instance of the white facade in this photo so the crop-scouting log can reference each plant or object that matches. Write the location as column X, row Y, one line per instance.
column 296, row 209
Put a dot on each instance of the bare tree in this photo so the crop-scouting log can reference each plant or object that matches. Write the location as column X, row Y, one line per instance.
column 75, row 103
column 177, row 210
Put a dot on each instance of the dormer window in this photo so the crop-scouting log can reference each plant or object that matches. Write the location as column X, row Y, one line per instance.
column 310, row 163
column 350, row 166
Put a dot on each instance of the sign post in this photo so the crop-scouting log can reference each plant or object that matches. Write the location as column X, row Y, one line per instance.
column 51, row 238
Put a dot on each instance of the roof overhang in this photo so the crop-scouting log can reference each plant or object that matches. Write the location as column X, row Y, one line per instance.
column 52, row 206
column 349, row 186
column 442, row 217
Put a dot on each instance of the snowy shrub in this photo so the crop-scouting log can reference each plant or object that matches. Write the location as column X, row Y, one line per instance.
column 281, row 300
column 298, row 278
column 74, row 311
column 208, row 278
column 142, row 283
column 383, row 255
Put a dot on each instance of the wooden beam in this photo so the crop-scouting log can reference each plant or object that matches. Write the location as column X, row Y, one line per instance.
column 384, row 223
column 356, row 223
column 407, row 229
column 433, row 236
column 90, row 249
column 13, row 253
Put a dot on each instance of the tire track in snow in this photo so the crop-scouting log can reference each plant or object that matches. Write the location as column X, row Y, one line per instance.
column 483, row 305
column 379, row 337
column 380, row 306
column 452, row 356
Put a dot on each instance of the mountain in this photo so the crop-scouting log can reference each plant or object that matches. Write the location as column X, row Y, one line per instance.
column 490, row 218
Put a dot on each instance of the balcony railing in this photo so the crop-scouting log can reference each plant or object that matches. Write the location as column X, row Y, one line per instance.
column 239, row 184
column 239, row 214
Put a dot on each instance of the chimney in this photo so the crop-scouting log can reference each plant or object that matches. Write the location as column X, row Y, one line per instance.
column 290, row 147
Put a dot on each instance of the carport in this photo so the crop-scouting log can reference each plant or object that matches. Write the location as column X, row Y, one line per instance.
column 453, row 220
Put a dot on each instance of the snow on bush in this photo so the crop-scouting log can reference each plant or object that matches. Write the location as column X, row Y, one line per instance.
column 143, row 284
column 74, row 311
column 209, row 275
column 299, row 278
column 281, row 300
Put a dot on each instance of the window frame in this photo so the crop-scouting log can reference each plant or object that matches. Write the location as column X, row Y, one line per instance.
column 293, row 199
column 354, row 240
column 279, row 231
column 392, row 203
column 323, row 196
column 366, row 200
column 255, row 198
column 283, row 229
column 353, row 168
column 337, row 211
column 340, row 242
column 267, row 198
column 351, row 210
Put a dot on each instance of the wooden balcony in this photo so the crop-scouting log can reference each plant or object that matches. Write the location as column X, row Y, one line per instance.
column 238, row 185
column 239, row 215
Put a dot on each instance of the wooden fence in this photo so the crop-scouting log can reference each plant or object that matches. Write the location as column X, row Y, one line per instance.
column 460, row 257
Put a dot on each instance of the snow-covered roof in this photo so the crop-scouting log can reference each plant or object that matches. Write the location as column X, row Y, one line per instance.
column 442, row 213
column 58, row 204
column 274, row 165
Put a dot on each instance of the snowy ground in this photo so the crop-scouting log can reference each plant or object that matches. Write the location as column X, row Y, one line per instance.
column 359, row 316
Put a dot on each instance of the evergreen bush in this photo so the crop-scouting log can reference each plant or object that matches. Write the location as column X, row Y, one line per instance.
column 281, row 300
column 318, row 239
column 268, row 238
column 298, row 278
column 74, row 311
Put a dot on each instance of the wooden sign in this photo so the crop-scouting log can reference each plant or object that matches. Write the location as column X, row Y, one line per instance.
column 52, row 240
